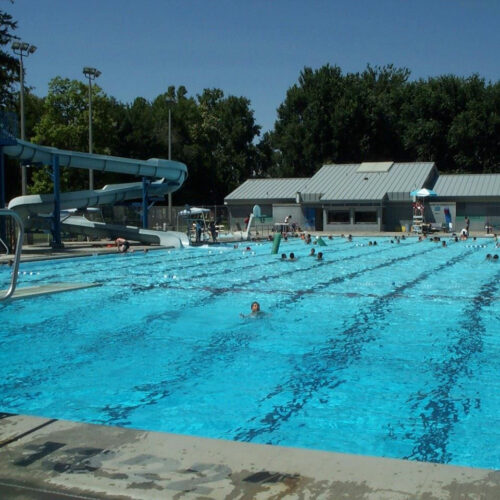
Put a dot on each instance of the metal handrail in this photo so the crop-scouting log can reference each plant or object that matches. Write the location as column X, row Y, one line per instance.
column 5, row 246
column 19, row 247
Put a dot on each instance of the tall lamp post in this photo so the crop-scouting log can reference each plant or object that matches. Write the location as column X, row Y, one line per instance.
column 22, row 49
column 91, row 74
column 170, row 157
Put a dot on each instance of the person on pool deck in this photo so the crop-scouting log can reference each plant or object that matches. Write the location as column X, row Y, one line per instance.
column 213, row 231
column 198, row 230
column 256, row 312
column 122, row 244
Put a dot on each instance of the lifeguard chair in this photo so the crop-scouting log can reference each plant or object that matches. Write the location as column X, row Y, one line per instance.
column 419, row 195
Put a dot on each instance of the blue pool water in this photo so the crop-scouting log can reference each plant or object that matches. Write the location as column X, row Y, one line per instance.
column 388, row 350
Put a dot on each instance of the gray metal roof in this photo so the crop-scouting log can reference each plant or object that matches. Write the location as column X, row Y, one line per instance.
column 468, row 185
column 347, row 183
column 267, row 189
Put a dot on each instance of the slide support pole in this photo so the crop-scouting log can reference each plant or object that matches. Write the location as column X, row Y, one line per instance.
column 56, row 213
column 145, row 184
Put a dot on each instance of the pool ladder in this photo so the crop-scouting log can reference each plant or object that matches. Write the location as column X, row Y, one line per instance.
column 19, row 247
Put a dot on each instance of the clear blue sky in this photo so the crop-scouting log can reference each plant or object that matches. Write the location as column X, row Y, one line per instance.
column 252, row 48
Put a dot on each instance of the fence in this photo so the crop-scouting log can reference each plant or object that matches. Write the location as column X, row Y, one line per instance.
column 157, row 219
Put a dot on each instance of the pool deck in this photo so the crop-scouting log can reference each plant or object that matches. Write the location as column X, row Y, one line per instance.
column 73, row 249
column 49, row 459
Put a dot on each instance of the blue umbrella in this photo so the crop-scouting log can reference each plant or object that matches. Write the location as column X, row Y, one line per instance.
column 423, row 193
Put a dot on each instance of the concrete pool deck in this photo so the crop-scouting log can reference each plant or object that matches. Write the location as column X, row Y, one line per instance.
column 49, row 459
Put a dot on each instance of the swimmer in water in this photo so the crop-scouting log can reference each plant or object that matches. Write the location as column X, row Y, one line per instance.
column 256, row 312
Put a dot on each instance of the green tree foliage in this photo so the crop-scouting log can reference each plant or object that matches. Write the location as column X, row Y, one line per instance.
column 378, row 114
column 64, row 124
column 9, row 65
column 211, row 133
column 474, row 135
column 454, row 122
column 224, row 135
column 327, row 116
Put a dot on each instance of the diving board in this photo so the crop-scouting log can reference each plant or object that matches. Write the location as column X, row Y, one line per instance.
column 37, row 291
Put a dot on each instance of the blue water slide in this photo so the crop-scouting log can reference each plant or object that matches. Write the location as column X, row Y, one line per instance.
column 172, row 171
column 35, row 209
column 34, row 205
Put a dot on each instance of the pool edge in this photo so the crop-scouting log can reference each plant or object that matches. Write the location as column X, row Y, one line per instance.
column 65, row 459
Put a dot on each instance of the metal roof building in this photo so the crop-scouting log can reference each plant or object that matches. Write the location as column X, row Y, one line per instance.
column 369, row 181
column 372, row 196
column 468, row 186
column 476, row 196
column 338, row 197
column 267, row 190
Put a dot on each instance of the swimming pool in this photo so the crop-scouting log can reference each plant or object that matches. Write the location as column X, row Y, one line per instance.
column 389, row 350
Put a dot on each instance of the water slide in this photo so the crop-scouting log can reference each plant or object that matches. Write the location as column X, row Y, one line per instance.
column 35, row 210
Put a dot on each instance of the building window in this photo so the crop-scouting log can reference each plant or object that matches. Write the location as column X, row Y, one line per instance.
column 365, row 217
column 339, row 217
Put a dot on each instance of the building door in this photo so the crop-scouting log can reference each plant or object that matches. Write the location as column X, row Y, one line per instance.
column 310, row 216
column 318, row 225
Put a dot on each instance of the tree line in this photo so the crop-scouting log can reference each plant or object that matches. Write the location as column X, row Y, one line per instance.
column 328, row 116
column 379, row 114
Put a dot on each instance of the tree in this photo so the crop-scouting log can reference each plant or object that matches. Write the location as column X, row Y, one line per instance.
column 454, row 122
column 474, row 135
column 223, row 136
column 9, row 66
column 331, row 117
column 64, row 124
column 379, row 115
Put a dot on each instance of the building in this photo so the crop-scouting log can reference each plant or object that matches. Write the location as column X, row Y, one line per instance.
column 476, row 196
column 338, row 198
column 277, row 198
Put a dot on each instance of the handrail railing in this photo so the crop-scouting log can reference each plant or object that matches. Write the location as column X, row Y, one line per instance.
column 5, row 246
column 19, row 246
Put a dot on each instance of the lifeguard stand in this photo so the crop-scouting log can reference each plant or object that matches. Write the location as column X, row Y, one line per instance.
column 418, row 216
column 419, row 224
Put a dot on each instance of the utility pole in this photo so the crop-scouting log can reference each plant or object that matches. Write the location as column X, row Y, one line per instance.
column 91, row 74
column 22, row 49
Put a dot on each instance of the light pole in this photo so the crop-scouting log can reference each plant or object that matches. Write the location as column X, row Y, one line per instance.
column 169, row 157
column 22, row 49
column 91, row 74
